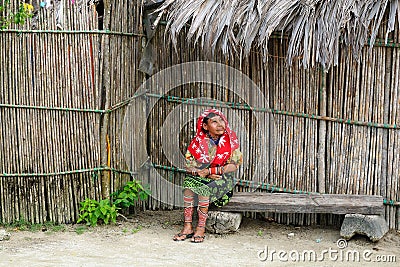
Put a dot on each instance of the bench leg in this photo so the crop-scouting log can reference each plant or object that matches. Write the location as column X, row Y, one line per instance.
column 373, row 226
column 220, row 222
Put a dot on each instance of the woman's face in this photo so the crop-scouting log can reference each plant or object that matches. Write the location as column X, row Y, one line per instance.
column 215, row 126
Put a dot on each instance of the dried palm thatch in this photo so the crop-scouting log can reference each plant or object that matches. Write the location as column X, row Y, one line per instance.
column 315, row 28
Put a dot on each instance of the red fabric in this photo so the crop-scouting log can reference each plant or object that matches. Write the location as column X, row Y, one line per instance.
column 202, row 218
column 188, row 214
column 199, row 145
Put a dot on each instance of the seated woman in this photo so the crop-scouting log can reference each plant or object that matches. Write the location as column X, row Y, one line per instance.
column 211, row 159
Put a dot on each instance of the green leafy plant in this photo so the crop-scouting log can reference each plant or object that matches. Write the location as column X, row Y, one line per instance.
column 130, row 194
column 107, row 212
column 87, row 212
column 92, row 212
column 24, row 12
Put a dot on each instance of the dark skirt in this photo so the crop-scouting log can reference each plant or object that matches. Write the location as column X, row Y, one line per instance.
column 219, row 191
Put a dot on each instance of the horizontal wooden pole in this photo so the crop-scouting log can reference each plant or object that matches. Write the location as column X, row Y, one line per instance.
column 304, row 203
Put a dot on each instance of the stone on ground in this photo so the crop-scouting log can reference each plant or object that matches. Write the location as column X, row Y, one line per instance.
column 220, row 222
column 4, row 235
column 373, row 226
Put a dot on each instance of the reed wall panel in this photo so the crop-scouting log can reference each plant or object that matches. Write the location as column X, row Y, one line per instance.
column 56, row 66
column 310, row 155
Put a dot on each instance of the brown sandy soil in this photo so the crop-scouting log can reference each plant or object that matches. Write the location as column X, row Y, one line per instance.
column 147, row 241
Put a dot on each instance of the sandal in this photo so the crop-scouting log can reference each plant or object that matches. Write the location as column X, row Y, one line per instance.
column 185, row 236
column 198, row 239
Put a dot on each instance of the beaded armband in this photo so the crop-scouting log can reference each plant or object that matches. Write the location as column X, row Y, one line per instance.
column 216, row 170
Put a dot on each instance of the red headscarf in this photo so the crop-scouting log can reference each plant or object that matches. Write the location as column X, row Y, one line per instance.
column 228, row 142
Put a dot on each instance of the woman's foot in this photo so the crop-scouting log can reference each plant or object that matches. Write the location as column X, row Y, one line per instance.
column 199, row 235
column 182, row 236
column 187, row 232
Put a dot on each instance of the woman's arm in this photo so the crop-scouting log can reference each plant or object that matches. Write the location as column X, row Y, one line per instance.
column 230, row 167
column 232, row 164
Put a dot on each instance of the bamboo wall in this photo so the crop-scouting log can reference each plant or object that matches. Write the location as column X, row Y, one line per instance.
column 96, row 71
column 48, row 158
column 311, row 155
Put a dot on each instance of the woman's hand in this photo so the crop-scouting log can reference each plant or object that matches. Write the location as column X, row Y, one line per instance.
column 215, row 176
column 203, row 173
column 192, row 171
column 206, row 172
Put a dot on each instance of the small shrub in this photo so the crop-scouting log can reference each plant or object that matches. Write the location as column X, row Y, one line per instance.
column 130, row 194
column 92, row 211
column 107, row 212
column 88, row 207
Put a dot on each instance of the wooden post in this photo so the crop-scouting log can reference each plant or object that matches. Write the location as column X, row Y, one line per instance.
column 322, row 134
column 385, row 178
column 105, row 103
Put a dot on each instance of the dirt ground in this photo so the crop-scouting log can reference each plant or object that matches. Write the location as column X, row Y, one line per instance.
column 147, row 241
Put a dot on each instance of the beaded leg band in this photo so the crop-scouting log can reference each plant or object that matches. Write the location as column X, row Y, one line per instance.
column 188, row 210
column 202, row 211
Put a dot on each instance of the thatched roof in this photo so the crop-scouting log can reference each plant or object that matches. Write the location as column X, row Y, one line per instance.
column 315, row 28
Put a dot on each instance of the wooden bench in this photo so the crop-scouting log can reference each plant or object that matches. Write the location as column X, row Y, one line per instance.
column 305, row 203
column 363, row 212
